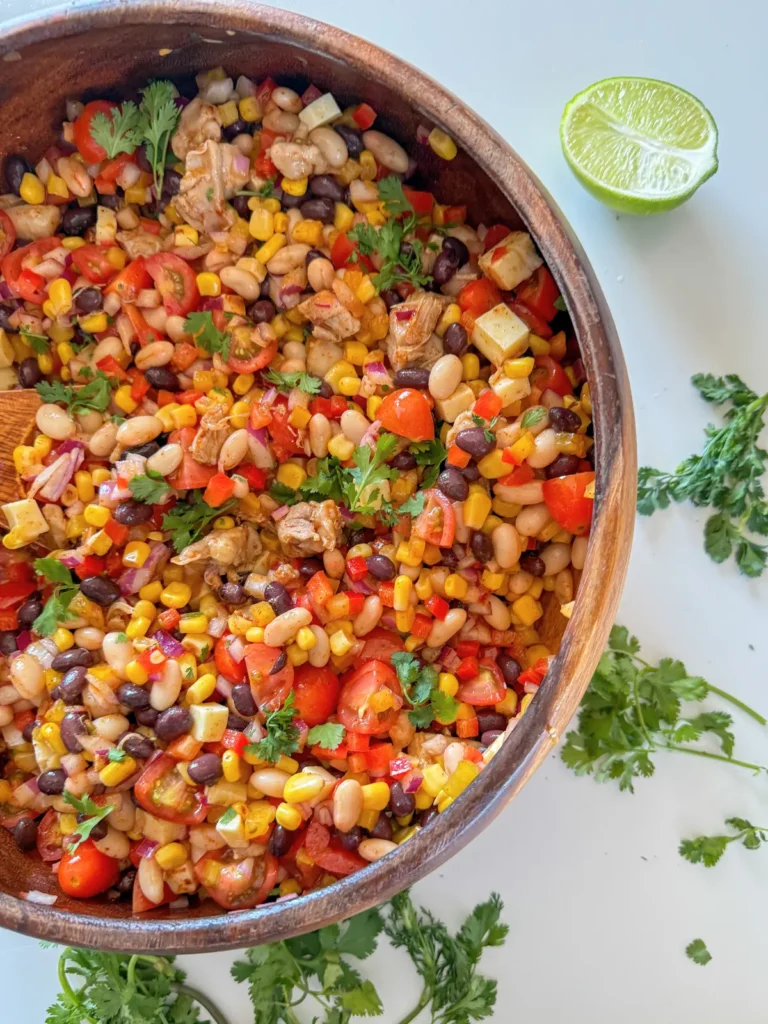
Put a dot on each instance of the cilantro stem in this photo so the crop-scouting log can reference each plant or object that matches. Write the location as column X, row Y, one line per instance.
column 738, row 703
column 715, row 757
column 69, row 992
column 424, row 999
column 210, row 1007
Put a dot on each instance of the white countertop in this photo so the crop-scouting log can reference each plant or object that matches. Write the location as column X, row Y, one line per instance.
column 600, row 905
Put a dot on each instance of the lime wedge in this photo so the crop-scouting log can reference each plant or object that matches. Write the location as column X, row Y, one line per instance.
column 639, row 145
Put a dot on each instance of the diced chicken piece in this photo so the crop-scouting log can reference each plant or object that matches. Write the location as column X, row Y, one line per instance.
column 226, row 549
column 297, row 159
column 511, row 261
column 500, row 334
column 411, row 340
column 213, row 174
column 213, row 432
column 198, row 123
column 284, row 573
column 449, row 409
column 509, row 390
column 138, row 242
column 310, row 528
column 329, row 319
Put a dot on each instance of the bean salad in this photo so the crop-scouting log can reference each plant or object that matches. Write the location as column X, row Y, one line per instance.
column 313, row 467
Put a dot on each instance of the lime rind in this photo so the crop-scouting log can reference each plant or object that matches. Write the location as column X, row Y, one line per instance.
column 639, row 145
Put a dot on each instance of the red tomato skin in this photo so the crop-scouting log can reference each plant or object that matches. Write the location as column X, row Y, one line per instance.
column 257, row 362
column 252, row 897
column 7, row 234
column 338, row 861
column 316, row 691
column 539, row 293
column 89, row 150
column 87, row 872
column 144, row 788
column 130, row 281
column 50, row 842
column 406, row 412
column 226, row 665
column 358, row 688
column 495, row 235
column 478, row 297
column 10, row 268
column 381, row 644
column 551, row 376
column 486, row 689
column 531, row 319
column 269, row 691
column 140, row 904
column 176, row 282
column 564, row 497
column 91, row 261
column 436, row 524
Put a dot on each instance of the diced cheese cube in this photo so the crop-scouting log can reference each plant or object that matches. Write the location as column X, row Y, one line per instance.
column 209, row 722
column 159, row 830
column 320, row 111
column 106, row 226
column 511, row 261
column 26, row 515
column 500, row 334
column 448, row 409
column 231, row 828
column 225, row 794
column 509, row 390
column 182, row 879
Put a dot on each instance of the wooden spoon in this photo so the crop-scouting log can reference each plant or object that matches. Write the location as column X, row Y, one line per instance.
column 17, row 424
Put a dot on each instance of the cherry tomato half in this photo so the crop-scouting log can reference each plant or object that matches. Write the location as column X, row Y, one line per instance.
column 436, row 523
column 130, row 281
column 564, row 497
column 50, row 841
column 381, row 644
column 91, row 261
column 89, row 150
column 539, row 293
column 269, row 691
column 316, row 692
column 487, row 688
column 478, row 297
column 87, row 871
column 406, row 412
column 7, row 234
column 549, row 375
column 11, row 268
column 176, row 282
column 226, row 665
column 162, row 790
column 251, row 350
column 234, row 881
column 355, row 712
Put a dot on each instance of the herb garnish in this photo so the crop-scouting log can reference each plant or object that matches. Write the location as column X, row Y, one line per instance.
column 421, row 690
column 282, row 733
column 287, row 381
column 149, row 487
column 559, row 303
column 726, row 476
column 698, row 952
column 328, row 735
column 39, row 343
column 160, row 116
column 94, row 815
column 363, row 484
column 120, row 131
column 207, row 335
column 533, row 416
column 708, row 850
column 56, row 608
column 187, row 519
column 96, row 394
column 431, row 455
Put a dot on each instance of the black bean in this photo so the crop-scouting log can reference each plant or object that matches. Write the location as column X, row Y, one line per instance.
column 28, row 731
column 147, row 449
column 382, row 829
column 111, row 202
column 412, row 377
column 457, row 249
column 450, row 559
column 280, row 662
column 76, row 221
column 309, row 567
column 205, row 769
column 444, row 267
column 147, row 717
column 88, row 300
column 509, row 668
column 171, row 183
column 15, row 169
column 404, row 461
column 402, row 803
column 132, row 513
column 29, row 373
column 320, row 208
column 474, row 441
column 98, row 831
column 71, row 684
column 101, row 589
column 238, row 127
column 25, row 834
column 326, row 186
column 530, row 562
column 471, row 473
column 381, row 567
column 262, row 312
column 280, row 841
column 133, row 696
column 163, row 378
column 360, row 536
column 74, row 656
column 51, row 783
column 233, row 593
column 72, row 728
column 125, row 885
column 482, row 546
column 240, row 204
column 391, row 297
column 278, row 597
column 455, row 340
column 428, row 816
column 326, row 391
column 172, row 723
column 452, row 484
column 29, row 611
column 236, row 722
column 352, row 139
column 564, row 421
column 352, row 839
column 138, row 746
column 487, row 738
column 491, row 720
column 5, row 318
column 8, row 643
column 564, row 465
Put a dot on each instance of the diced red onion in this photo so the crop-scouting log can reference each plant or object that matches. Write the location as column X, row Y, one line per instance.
column 389, row 621
column 378, row 374
column 345, row 513
column 23, row 640
column 71, row 559
column 70, row 445
column 280, row 512
column 241, row 165
column 258, row 446
column 168, row 644
column 530, row 687
column 212, row 303
column 412, row 783
column 269, row 398
column 236, row 650
column 492, row 653
column 371, row 434
column 25, row 794
column 223, row 688
column 310, row 94
column 404, row 314
column 46, row 898
column 254, row 731
column 51, row 483
column 147, row 848
column 217, row 626
column 449, row 658
column 5, row 291
column 361, row 587
column 133, row 580
column 422, row 135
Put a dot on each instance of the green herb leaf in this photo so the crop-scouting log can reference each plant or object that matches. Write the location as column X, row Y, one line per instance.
column 286, row 381
column 708, row 850
column 328, row 482
column 362, row 485
column 282, row 733
column 430, row 455
column 96, row 394
column 207, row 335
column 117, row 755
column 698, row 952
column 53, row 570
column 412, row 506
column 188, row 519
column 39, row 343
column 559, row 303
column 95, row 814
column 118, row 132
column 228, row 816
column 149, row 487
column 56, row 609
column 282, row 493
column 121, row 638
column 329, row 735
column 421, row 690
column 159, row 118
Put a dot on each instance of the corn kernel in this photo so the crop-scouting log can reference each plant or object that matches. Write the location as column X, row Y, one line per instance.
column 296, row 656
column 301, row 787
column 200, row 691
column 516, row 369
column 281, row 223
column 288, row 817
column 261, row 224
column 340, row 643
column 151, row 591
column 255, row 635
column 471, row 366
column 51, row 678
column 476, row 508
column 441, row 144
column 308, row 232
column 349, row 386
column 230, row 763
column 96, row 515
column 434, row 779
column 527, row 609
column 355, row 353
column 138, row 627
column 136, row 673
column 171, row 856
column 448, row 683
column 456, row 587
column 492, row 466
column 184, row 416
column 32, row 190
column 117, row 771
column 45, row 362
column 242, row 384
column 123, row 400
column 375, row 796
column 94, row 324
column 262, row 613
column 368, row 167
column 343, row 217
column 306, row 639
column 339, row 370
column 60, row 332
column 135, row 554
column 492, row 580
column 291, row 475
column 63, row 639
column 56, row 186
column 524, row 446
column 535, row 588
column 209, row 284
column 138, row 195
column 294, row 187
column 60, row 296
column 404, row 620
column 271, row 248
column 250, row 109
column 451, row 315
column 341, row 447
column 402, row 593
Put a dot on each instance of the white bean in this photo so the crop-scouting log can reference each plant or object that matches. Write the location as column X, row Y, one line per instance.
column 319, row 434
column 320, row 274
column 369, row 617
column 442, row 631
column 295, row 350
column 320, row 654
column 282, row 122
column 111, row 727
column 103, row 441
column 157, row 353
column 114, row 844
column 8, row 695
column 555, row 557
column 76, row 177
column 165, row 692
column 166, row 460
column 499, row 616
column 107, row 347
column 233, row 451
column 445, row 376
column 150, row 879
column 546, row 449
column 564, row 586
column 524, row 494
column 244, row 143
column 334, row 563
column 174, row 328
column 6, row 715
column 242, row 282
column 27, row 676
column 269, row 781
column 284, row 628
column 55, row 422
column 89, row 421
column 579, row 552
column 532, row 519
column 374, row 849
column 506, row 545
column 354, row 425
column 520, row 582
column 453, row 755
column 387, row 152
column 331, row 145
column 117, row 653
column 89, row 638
column 139, row 430
column 288, row 258
column 123, row 817
column 286, row 99
column 347, row 804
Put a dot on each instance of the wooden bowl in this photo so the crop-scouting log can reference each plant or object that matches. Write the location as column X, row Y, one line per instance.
column 99, row 50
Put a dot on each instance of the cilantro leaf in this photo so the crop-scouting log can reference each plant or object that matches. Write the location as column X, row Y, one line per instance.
column 53, row 570
column 286, row 381
column 430, row 455
column 698, row 952
column 420, row 686
column 708, row 850
column 159, row 118
column 327, row 483
column 329, row 735
column 559, row 303
column 188, row 519
column 56, row 608
column 96, row 394
column 39, row 343
column 282, row 733
column 149, row 487
column 362, row 485
column 117, row 755
column 412, row 506
column 392, row 195
column 207, row 335
column 282, row 493
column 94, row 814
column 119, row 131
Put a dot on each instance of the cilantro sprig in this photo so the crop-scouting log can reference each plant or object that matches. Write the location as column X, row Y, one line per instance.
column 159, row 118
column 698, row 952
column 56, row 608
column 282, row 733
column 39, row 343
column 120, row 131
column 726, row 477
column 431, row 455
column 287, row 381
column 188, row 519
column 150, row 487
column 94, row 814
column 421, row 690
column 96, row 394
column 708, row 850
column 207, row 335
column 362, row 485
column 329, row 735
column 633, row 709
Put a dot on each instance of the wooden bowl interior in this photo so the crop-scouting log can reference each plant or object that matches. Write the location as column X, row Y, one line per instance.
column 116, row 49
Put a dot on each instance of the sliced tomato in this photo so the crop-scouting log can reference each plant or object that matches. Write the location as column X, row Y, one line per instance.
column 91, row 261
column 248, row 356
column 531, row 319
column 436, row 524
column 269, row 691
column 478, row 297
column 316, row 693
column 486, row 688
column 422, row 202
column 355, row 713
column 140, row 904
column 191, row 475
column 163, row 791
column 50, row 841
column 10, row 816
column 407, row 413
column 11, row 268
column 317, row 839
column 89, row 150
column 564, row 497
column 234, row 881
column 7, row 234
column 112, row 170
column 494, row 235
column 226, row 665
column 338, row 861
column 175, row 280
column 130, row 281
column 12, row 594
column 282, row 432
column 549, row 375
column 87, row 871
column 540, row 293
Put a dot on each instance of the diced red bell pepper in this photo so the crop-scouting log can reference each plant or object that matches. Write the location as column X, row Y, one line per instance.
column 422, row 626
column 319, row 589
column 265, row 90
column 358, row 763
column 188, row 397
column 324, row 754
column 455, row 215
column 478, row 297
column 468, row 648
column 422, row 202
column 183, row 356
column 112, row 368
column 9, row 619
column 487, row 405
column 539, row 293
column 168, row 619
column 364, row 116
column 387, row 593
column 23, row 718
column 494, row 235
column 257, row 478
column 219, row 489
column 358, row 742
column 12, row 594
column 438, row 606
column 378, row 758
column 113, row 564
column 234, row 740
column 522, row 475
column 356, row 602
column 184, row 748
column 467, row 727
column 473, row 754
column 468, row 668
column 145, row 334
column 357, row 568
column 116, row 532
column 139, row 387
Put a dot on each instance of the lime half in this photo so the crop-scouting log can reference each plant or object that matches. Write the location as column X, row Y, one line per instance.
column 639, row 145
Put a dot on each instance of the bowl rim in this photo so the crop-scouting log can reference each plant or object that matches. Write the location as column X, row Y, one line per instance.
column 610, row 540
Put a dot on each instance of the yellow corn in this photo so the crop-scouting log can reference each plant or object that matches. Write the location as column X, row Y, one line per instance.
column 291, row 475
column 535, row 588
column 404, row 620
column 516, row 369
column 265, row 253
column 375, row 796
column 32, row 190
column 125, row 403
column 451, row 315
column 96, row 515
column 136, row 673
column 63, row 638
column 259, row 815
column 508, row 706
column 60, row 332
column 135, row 553
column 305, row 639
column 171, row 855
column 402, row 593
column 184, row 416
column 448, row 683
column 209, row 284
column 368, row 168
column 301, row 787
column 349, row 386
column 56, row 186
column 471, row 365
column 492, row 466
column 343, row 217
column 117, row 771
column 45, row 362
column 95, row 323
column 84, row 484
column 341, row 447
column 261, row 224
column 176, row 595
column 152, row 591
column 250, row 109
column 456, row 587
column 476, row 508
column 60, row 296
column 138, row 627
column 434, row 779
column 262, row 613
column 340, row 643
column 6, row 791
column 289, row 817
column 200, row 691
column 51, row 678
column 441, row 144
column 527, row 609
column 230, row 761
column 255, row 635
column 339, row 370
column 524, row 446
column 506, row 509
column 493, row 581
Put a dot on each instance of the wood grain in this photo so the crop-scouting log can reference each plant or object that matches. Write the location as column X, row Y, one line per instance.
column 103, row 48
column 17, row 424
